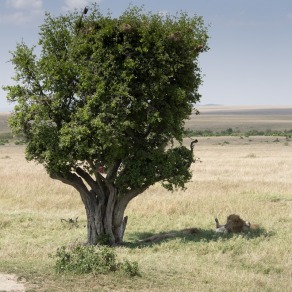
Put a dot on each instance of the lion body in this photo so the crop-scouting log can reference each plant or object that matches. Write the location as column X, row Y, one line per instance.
column 234, row 224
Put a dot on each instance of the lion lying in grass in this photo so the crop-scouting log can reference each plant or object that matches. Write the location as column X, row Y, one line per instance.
column 234, row 224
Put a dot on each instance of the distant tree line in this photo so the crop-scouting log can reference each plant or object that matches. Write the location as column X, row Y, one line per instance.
column 232, row 132
column 8, row 137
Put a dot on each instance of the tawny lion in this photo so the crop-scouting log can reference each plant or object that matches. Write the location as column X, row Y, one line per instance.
column 234, row 224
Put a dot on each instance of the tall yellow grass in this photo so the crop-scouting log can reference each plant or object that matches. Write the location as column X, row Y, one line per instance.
column 251, row 177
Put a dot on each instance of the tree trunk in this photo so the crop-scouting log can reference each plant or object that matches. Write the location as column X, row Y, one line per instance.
column 104, row 207
column 103, row 226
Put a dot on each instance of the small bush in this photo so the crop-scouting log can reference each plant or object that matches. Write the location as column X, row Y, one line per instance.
column 6, row 136
column 5, row 157
column 224, row 143
column 129, row 268
column 92, row 259
column 19, row 142
column 251, row 155
column 3, row 141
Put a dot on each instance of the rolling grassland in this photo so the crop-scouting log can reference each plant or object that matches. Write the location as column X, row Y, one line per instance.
column 249, row 176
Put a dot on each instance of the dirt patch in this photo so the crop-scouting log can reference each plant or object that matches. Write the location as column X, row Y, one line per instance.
column 9, row 283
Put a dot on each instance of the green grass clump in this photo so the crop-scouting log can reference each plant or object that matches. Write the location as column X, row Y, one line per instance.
column 129, row 268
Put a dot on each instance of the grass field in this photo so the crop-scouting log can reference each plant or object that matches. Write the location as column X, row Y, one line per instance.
column 248, row 176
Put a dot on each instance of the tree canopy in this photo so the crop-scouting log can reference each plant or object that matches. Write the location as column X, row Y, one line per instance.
column 109, row 92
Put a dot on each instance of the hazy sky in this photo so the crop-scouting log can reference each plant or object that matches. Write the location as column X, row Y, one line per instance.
column 250, row 56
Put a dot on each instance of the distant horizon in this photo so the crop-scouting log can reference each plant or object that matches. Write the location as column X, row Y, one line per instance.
column 7, row 110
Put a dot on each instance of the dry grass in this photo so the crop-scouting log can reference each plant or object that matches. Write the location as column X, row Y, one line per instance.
column 251, row 178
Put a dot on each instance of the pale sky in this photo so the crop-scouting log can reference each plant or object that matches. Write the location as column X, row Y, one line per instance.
column 250, row 56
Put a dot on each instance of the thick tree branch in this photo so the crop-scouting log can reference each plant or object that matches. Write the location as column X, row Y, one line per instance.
column 89, row 180
column 133, row 193
column 70, row 179
column 113, row 169
column 124, row 201
column 100, row 180
column 94, row 170
column 75, row 181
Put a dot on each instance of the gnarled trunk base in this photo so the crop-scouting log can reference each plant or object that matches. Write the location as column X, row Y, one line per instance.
column 104, row 206
column 102, row 225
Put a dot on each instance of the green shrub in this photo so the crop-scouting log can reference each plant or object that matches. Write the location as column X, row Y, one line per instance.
column 92, row 259
column 85, row 259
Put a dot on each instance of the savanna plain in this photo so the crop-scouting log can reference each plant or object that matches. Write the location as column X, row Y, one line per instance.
column 247, row 175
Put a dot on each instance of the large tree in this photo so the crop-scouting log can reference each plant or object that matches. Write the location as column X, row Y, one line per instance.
column 102, row 102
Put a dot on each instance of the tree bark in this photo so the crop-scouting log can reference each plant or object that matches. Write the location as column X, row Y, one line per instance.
column 100, row 216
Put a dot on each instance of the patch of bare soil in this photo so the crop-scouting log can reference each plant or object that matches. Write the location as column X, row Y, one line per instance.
column 9, row 283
